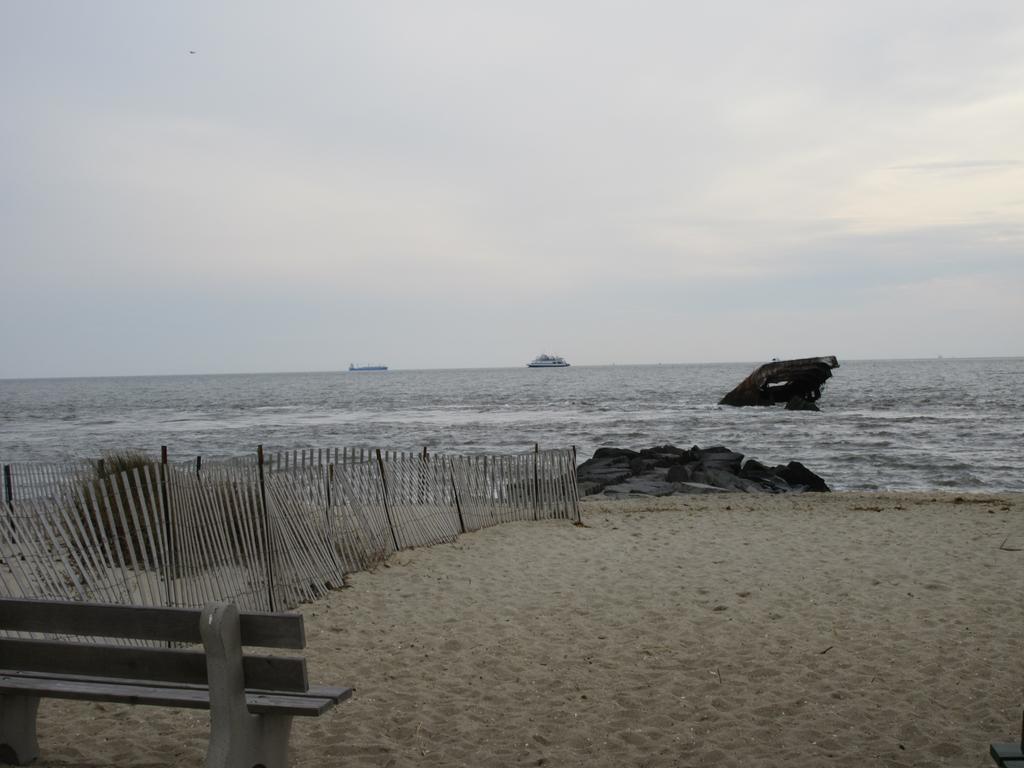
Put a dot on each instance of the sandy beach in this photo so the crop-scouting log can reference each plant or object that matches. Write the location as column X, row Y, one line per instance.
column 735, row 630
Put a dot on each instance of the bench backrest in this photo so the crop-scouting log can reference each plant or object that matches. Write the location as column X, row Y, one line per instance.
column 82, row 656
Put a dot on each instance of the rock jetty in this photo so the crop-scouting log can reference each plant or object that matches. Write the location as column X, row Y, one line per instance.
column 665, row 469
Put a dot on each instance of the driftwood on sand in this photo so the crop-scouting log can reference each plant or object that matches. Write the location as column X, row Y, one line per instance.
column 794, row 382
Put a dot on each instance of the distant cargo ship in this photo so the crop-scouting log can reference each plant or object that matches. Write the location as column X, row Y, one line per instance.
column 354, row 367
column 548, row 361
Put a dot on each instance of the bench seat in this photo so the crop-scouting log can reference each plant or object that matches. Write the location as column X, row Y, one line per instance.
column 314, row 702
column 1008, row 755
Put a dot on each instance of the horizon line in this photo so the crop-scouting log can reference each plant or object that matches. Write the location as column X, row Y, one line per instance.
column 392, row 369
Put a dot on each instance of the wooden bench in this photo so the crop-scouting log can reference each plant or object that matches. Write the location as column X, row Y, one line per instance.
column 252, row 698
column 1009, row 755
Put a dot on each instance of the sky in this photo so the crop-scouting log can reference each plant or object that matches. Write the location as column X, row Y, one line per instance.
column 221, row 187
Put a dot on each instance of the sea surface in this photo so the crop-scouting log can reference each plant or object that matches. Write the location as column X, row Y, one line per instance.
column 951, row 424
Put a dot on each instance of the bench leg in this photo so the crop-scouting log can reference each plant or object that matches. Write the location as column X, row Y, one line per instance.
column 18, row 744
column 258, row 741
column 271, row 749
column 238, row 739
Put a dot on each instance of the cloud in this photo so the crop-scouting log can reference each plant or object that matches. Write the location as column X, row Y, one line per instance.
column 960, row 165
column 560, row 169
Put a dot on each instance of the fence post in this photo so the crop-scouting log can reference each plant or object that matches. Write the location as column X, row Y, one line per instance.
column 9, row 498
column 536, row 481
column 575, row 488
column 422, row 476
column 329, row 478
column 8, row 486
column 455, row 493
column 266, row 530
column 169, row 559
column 488, row 487
column 330, row 482
column 387, row 504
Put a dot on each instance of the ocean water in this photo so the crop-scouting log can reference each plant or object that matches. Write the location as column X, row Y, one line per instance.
column 953, row 424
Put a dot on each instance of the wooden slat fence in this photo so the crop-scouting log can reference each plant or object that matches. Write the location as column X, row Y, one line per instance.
column 502, row 488
column 268, row 531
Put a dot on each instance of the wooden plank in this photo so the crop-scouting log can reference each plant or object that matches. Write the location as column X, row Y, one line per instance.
column 1007, row 755
column 278, row 673
column 258, row 702
column 265, row 630
column 57, row 688
column 338, row 693
column 333, row 692
column 281, row 704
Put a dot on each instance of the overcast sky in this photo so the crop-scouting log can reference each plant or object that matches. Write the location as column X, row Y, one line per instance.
column 200, row 187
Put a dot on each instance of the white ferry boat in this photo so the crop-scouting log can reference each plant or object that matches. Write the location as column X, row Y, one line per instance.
column 548, row 361
column 354, row 367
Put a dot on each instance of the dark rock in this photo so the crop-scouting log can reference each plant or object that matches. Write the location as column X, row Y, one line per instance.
column 665, row 469
column 614, row 453
column 680, row 473
column 754, row 468
column 721, row 459
column 797, row 403
column 698, row 488
column 796, row 474
column 642, row 464
column 726, row 480
column 665, row 455
column 594, row 474
column 765, row 476
column 667, row 451
column 646, row 486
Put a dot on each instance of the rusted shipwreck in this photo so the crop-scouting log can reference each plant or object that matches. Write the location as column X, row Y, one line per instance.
column 797, row 383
